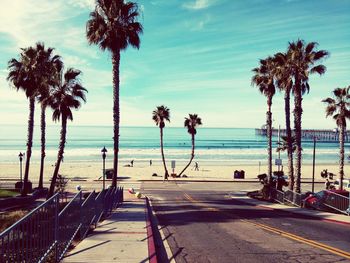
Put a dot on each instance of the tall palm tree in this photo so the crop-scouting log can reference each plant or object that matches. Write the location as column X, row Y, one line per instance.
column 285, row 84
column 191, row 123
column 160, row 115
column 113, row 26
column 339, row 108
column 264, row 79
column 23, row 74
column 303, row 61
column 50, row 66
column 68, row 95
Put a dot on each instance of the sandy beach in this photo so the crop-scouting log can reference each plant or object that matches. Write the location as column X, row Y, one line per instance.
column 141, row 171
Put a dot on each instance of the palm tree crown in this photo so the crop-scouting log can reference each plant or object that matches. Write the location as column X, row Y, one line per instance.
column 160, row 115
column 264, row 77
column 338, row 107
column 113, row 25
column 192, row 122
column 68, row 95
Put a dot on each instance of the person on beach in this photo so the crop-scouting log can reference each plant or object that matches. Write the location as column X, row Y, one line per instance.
column 132, row 163
column 196, row 166
column 150, row 162
column 327, row 184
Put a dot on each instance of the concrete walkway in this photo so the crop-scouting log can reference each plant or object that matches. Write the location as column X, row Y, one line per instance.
column 123, row 237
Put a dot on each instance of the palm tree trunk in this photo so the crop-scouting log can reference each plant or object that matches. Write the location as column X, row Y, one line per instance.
column 341, row 155
column 162, row 152
column 43, row 128
column 289, row 139
column 269, row 137
column 192, row 156
column 29, row 145
column 116, row 113
column 59, row 156
column 297, row 128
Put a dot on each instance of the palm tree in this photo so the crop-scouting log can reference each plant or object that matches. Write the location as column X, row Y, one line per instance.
column 68, row 95
column 338, row 107
column 50, row 67
column 284, row 144
column 264, row 80
column 191, row 124
column 303, row 61
column 23, row 74
column 113, row 26
column 285, row 84
column 160, row 115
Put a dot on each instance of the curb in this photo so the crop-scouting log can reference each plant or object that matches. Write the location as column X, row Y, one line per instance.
column 152, row 255
column 168, row 253
column 216, row 181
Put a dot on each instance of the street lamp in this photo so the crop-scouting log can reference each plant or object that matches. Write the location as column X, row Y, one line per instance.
column 104, row 150
column 20, row 165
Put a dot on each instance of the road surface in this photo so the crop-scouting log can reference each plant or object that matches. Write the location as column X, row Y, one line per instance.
column 203, row 223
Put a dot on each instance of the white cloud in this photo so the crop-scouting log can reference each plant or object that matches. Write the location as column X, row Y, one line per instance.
column 87, row 4
column 198, row 4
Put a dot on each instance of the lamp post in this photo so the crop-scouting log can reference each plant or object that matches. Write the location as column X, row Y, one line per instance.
column 104, row 150
column 20, row 165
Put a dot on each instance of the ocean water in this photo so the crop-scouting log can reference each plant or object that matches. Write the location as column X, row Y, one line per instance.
column 216, row 146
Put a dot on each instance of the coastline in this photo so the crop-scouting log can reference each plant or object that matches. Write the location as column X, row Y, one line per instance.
column 142, row 171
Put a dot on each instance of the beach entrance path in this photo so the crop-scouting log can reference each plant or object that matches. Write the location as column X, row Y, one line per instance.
column 203, row 223
column 120, row 238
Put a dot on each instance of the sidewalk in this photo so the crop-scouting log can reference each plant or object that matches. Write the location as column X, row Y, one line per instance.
column 123, row 237
column 326, row 216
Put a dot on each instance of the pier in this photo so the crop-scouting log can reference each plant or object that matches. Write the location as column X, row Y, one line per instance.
column 321, row 135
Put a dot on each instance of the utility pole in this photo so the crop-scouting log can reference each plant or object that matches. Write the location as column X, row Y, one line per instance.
column 313, row 166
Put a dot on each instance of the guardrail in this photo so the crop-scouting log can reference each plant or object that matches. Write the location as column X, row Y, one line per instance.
column 337, row 202
column 46, row 233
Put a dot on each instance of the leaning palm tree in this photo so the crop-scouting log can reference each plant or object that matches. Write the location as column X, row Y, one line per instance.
column 303, row 61
column 23, row 74
column 284, row 144
column 113, row 26
column 160, row 115
column 264, row 79
column 68, row 95
column 50, row 66
column 191, row 123
column 285, row 84
column 339, row 108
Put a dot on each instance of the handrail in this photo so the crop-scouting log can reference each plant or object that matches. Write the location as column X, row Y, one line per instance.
column 27, row 215
column 47, row 233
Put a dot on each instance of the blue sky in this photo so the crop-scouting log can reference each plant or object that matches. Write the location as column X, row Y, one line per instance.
column 196, row 56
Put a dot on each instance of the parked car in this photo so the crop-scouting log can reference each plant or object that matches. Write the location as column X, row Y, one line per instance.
column 317, row 200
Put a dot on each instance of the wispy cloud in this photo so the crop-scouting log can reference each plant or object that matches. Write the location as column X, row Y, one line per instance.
column 198, row 4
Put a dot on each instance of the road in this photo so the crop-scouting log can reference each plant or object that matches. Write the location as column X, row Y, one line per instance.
column 203, row 223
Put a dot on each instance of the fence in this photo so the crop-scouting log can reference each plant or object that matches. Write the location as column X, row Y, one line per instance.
column 46, row 233
column 287, row 197
column 277, row 195
column 337, row 202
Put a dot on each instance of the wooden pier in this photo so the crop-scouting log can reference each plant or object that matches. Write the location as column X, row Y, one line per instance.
column 321, row 135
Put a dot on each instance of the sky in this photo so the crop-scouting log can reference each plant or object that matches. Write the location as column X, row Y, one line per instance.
column 196, row 56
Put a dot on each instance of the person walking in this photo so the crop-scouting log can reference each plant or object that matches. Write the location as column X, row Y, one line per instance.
column 196, row 166
column 132, row 163
column 150, row 162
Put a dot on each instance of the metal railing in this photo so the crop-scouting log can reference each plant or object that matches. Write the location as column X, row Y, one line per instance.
column 293, row 198
column 46, row 233
column 277, row 195
column 337, row 202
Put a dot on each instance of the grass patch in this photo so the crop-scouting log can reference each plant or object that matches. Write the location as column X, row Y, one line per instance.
column 7, row 193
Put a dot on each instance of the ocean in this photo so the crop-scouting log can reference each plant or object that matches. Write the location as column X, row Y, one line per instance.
column 214, row 146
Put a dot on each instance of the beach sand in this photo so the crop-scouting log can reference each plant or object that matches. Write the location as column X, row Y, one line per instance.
column 141, row 171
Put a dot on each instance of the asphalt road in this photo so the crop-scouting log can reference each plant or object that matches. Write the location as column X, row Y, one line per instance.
column 202, row 223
